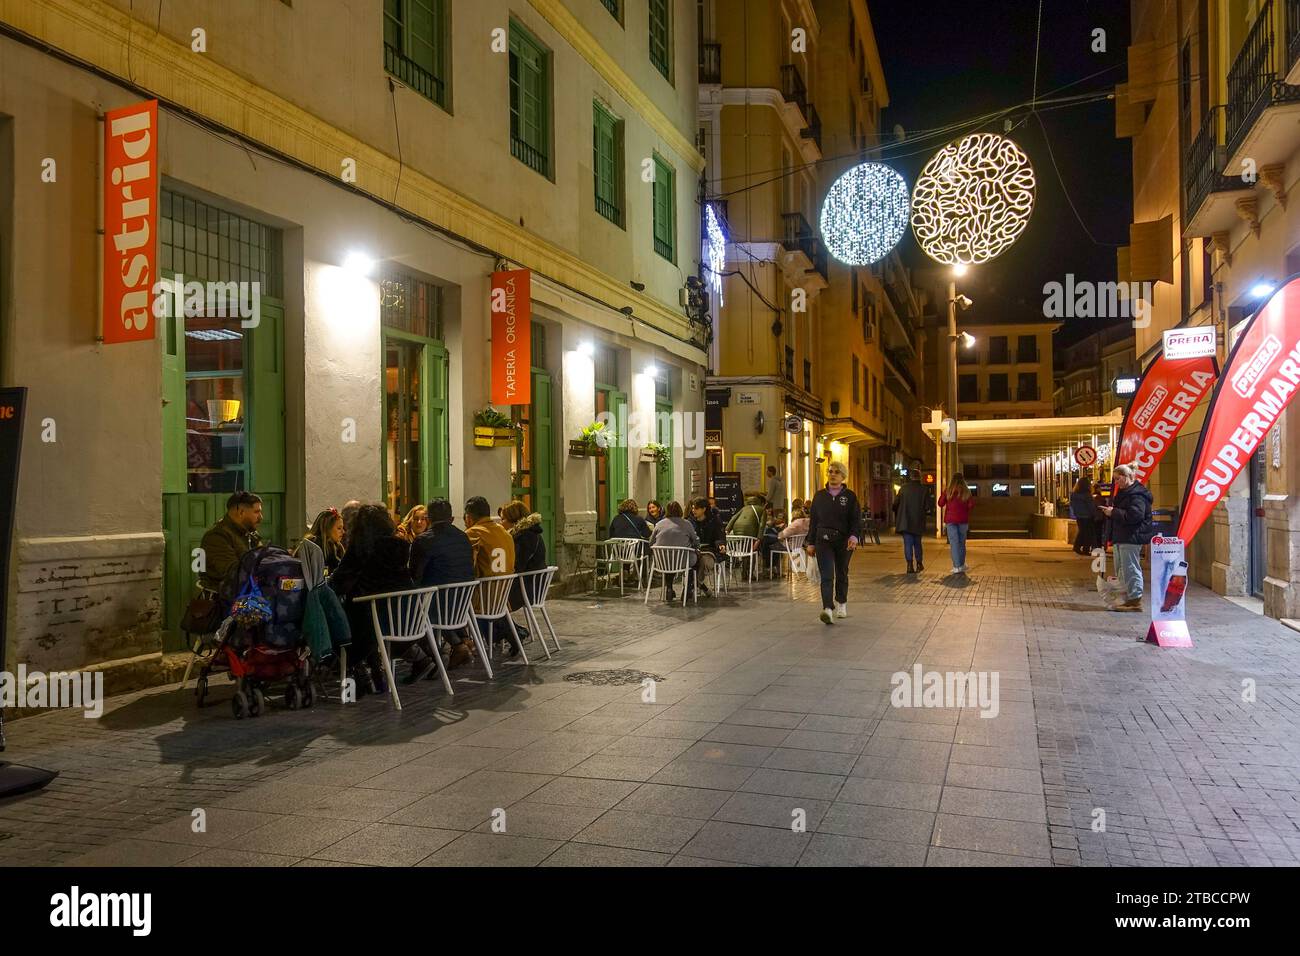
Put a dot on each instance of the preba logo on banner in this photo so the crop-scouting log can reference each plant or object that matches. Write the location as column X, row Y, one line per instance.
column 1169, row 390
column 512, row 340
column 1261, row 378
column 1169, row 583
column 130, row 221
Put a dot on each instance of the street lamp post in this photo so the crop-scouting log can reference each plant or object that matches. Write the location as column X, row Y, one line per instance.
column 952, row 365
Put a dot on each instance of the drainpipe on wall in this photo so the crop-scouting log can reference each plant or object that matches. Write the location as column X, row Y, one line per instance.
column 99, row 229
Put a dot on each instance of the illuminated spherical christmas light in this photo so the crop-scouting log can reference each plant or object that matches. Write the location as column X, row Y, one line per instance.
column 865, row 214
column 972, row 200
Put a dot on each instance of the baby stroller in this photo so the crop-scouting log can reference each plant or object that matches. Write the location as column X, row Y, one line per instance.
column 260, row 643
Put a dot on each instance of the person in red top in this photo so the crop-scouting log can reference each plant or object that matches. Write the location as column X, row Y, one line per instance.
column 956, row 502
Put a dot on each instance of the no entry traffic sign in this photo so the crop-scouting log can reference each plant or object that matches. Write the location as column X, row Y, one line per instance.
column 1086, row 456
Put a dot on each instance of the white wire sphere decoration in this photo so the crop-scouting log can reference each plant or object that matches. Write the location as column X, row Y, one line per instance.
column 865, row 214
column 973, row 200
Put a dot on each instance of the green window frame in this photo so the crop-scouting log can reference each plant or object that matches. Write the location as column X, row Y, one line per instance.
column 416, row 35
column 607, row 163
column 665, row 209
column 615, row 8
column 661, row 38
column 530, row 101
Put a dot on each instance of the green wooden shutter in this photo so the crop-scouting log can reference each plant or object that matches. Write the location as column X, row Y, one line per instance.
column 665, row 210
column 606, row 162
column 174, row 442
column 617, row 456
column 660, row 38
column 543, row 464
column 664, row 470
column 436, row 437
column 265, row 378
column 529, row 100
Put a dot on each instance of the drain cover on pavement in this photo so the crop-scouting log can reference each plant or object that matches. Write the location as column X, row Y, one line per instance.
column 615, row 677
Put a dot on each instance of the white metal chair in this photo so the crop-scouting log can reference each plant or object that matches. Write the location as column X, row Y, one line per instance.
column 619, row 554
column 535, row 586
column 492, row 603
column 405, row 619
column 743, row 548
column 665, row 561
column 776, row 555
column 451, row 610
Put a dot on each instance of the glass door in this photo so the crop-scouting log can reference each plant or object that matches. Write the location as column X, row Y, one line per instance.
column 532, row 463
column 1258, row 531
column 415, row 422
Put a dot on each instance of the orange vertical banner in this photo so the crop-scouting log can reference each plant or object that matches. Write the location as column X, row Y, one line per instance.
column 512, row 340
column 130, row 221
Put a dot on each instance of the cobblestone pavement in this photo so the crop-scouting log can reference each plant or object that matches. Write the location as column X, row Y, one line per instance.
column 771, row 740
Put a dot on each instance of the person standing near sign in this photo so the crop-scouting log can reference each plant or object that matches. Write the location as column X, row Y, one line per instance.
column 1085, row 516
column 775, row 490
column 834, row 523
column 1130, row 530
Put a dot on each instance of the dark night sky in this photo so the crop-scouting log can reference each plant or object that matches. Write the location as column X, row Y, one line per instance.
column 957, row 59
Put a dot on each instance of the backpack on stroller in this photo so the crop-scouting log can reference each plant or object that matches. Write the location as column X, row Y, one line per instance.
column 260, row 641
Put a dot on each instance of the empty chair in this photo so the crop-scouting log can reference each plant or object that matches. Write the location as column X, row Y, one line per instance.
column 492, row 603
column 535, row 586
column 665, row 561
column 792, row 544
column 451, row 610
column 743, row 548
column 401, row 617
column 621, row 553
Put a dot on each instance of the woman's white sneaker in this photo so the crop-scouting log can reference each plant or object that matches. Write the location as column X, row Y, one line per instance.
column 827, row 616
column 841, row 610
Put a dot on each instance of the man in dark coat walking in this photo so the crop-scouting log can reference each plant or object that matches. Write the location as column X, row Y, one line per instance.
column 909, row 518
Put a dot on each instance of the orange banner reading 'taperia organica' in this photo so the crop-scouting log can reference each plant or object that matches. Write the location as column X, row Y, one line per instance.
column 512, row 352
column 130, row 221
column 1259, row 381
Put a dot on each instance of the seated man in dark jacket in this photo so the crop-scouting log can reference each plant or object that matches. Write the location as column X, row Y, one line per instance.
column 443, row 555
column 230, row 539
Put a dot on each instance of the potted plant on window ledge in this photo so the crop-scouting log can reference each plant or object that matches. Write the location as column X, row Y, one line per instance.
column 592, row 441
column 656, row 454
column 492, row 429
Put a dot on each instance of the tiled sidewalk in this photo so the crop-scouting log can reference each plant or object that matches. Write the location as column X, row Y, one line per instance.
column 771, row 740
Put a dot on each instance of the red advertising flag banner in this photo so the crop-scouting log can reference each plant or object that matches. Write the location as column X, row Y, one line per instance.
column 512, row 340
column 1261, row 377
column 1169, row 390
column 130, row 221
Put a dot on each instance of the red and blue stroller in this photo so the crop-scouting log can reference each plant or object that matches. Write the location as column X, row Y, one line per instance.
column 260, row 643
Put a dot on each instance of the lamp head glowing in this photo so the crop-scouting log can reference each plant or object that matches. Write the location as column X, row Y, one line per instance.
column 960, row 269
column 967, row 340
column 587, row 349
column 652, row 370
column 358, row 263
column 1261, row 289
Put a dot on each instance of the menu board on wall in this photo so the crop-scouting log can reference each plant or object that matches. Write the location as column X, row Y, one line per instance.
column 750, row 469
column 728, row 497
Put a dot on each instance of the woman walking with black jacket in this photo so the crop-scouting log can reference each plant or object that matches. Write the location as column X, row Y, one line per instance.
column 834, row 523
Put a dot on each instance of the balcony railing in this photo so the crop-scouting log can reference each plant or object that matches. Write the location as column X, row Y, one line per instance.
column 798, row 236
column 792, row 86
column 813, row 130
column 1253, row 85
column 1293, row 31
column 531, row 157
column 413, row 75
column 1028, row 394
column 1204, row 162
column 1028, row 356
column 710, row 62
